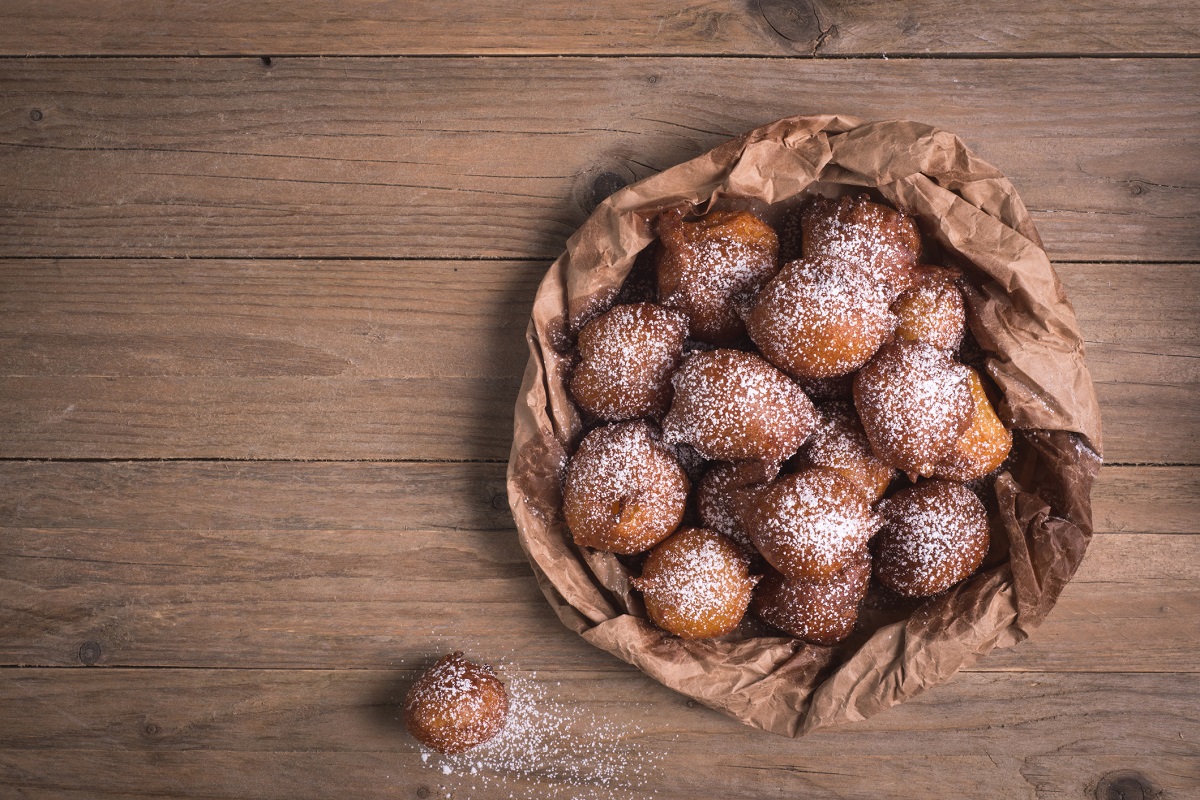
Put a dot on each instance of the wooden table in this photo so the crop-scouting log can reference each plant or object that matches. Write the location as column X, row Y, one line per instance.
column 264, row 275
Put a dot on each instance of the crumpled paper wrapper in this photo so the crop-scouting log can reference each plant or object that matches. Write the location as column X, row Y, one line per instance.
column 1018, row 313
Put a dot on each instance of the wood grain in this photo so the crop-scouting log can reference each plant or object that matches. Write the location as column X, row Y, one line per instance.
column 252, row 734
column 177, row 358
column 416, row 157
column 356, row 566
column 605, row 27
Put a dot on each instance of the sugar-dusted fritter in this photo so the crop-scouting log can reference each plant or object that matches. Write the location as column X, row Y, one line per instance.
column 820, row 613
column 932, row 310
column 934, row 535
column 914, row 401
column 696, row 584
column 855, row 230
column 625, row 491
column 455, row 705
column 706, row 267
column 841, row 444
column 809, row 525
column 734, row 406
column 627, row 355
column 820, row 318
column 985, row 444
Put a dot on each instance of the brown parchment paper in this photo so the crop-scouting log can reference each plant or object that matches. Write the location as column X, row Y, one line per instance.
column 1020, row 316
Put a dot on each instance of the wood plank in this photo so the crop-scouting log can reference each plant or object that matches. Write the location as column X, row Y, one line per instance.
column 118, row 358
column 496, row 157
column 252, row 734
column 274, row 496
column 120, row 563
column 608, row 27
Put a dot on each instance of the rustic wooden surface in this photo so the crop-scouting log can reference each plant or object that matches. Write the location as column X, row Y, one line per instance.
column 261, row 318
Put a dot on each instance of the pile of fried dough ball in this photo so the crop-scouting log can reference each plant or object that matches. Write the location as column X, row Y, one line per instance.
column 708, row 460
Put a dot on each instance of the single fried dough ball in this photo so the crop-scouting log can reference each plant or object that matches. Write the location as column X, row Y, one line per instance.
column 820, row 613
column 725, row 492
column 914, row 402
column 934, row 535
column 705, row 267
column 627, row 355
column 455, row 705
column 696, row 584
column 625, row 491
column 820, row 318
column 734, row 406
column 932, row 311
column 983, row 447
column 841, row 444
column 855, row 230
column 809, row 525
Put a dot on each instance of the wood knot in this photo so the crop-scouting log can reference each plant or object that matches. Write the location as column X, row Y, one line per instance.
column 151, row 729
column 796, row 21
column 90, row 652
column 36, row 115
column 1126, row 784
column 423, row 792
column 605, row 185
column 1136, row 189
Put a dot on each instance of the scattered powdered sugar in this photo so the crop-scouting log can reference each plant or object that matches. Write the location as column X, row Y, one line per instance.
column 914, row 401
column 734, row 406
column 550, row 749
column 821, row 318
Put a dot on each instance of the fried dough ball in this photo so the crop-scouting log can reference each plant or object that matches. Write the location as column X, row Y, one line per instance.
column 809, row 525
column 983, row 447
column 932, row 311
column 734, row 406
column 455, row 705
column 724, row 493
column 934, row 535
column 857, row 231
column 625, row 491
column 705, row 267
column 627, row 355
column 914, row 402
column 820, row 318
column 841, row 444
column 820, row 613
column 696, row 584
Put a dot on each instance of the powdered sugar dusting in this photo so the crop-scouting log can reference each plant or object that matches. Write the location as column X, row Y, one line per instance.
column 857, row 231
column 708, row 266
column 809, row 524
column 821, row 613
column 821, row 318
column 553, row 750
column 624, row 491
column 935, row 534
column 840, row 443
column 734, row 406
column 914, row 401
column 627, row 357
column 696, row 583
